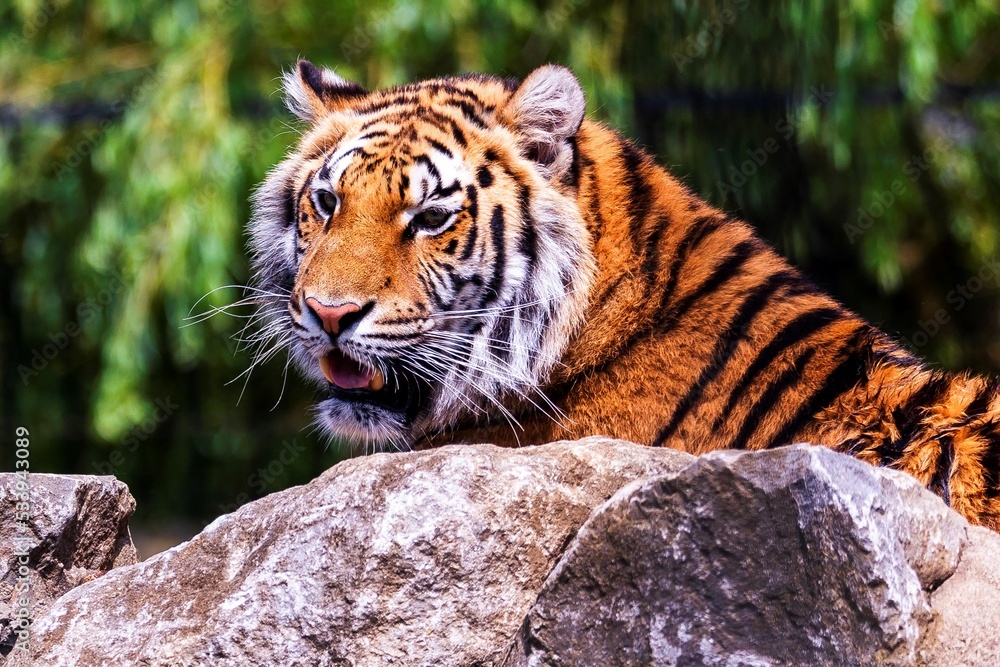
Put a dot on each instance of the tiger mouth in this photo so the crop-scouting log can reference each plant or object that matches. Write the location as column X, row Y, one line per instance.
column 350, row 382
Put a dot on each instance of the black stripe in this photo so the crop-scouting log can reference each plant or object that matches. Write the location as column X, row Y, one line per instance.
column 941, row 482
column 528, row 240
column 738, row 257
column 725, row 347
column 484, row 177
column 357, row 150
column 289, row 205
column 448, row 191
column 990, row 460
column 394, row 336
column 473, row 206
column 799, row 329
column 456, row 132
column 324, row 171
column 651, row 253
column 572, row 176
column 908, row 416
column 446, row 297
column 501, row 332
column 373, row 134
column 699, row 230
column 470, row 113
column 897, row 357
column 982, row 400
column 426, row 161
column 399, row 117
column 770, row 396
column 435, row 288
column 390, row 101
column 424, row 281
column 773, row 283
column 443, row 122
column 844, row 377
column 598, row 302
column 495, row 283
column 470, row 243
column 439, row 146
column 639, row 197
column 452, row 89
column 296, row 210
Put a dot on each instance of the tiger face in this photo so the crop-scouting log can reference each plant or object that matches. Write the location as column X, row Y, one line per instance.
column 425, row 247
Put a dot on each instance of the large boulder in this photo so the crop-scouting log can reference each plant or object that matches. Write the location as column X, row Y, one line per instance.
column 795, row 556
column 427, row 558
column 595, row 552
column 72, row 529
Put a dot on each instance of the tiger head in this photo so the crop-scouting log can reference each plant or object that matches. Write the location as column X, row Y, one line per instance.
column 421, row 249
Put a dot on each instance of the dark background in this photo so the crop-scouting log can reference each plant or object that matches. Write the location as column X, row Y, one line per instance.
column 859, row 138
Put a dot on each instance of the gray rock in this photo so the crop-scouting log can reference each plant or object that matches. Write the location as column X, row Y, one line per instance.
column 76, row 529
column 428, row 558
column 966, row 627
column 796, row 556
column 595, row 552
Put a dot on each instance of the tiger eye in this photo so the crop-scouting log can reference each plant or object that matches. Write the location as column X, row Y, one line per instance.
column 430, row 220
column 433, row 218
column 328, row 201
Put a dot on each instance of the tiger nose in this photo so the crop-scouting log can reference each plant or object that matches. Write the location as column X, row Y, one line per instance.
column 332, row 317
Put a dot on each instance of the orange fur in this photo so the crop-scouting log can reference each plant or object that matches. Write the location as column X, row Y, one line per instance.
column 685, row 330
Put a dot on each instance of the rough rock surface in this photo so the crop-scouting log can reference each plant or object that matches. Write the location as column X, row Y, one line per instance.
column 428, row 558
column 966, row 627
column 589, row 553
column 76, row 530
column 796, row 556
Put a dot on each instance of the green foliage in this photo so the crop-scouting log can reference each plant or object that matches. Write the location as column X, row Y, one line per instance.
column 115, row 224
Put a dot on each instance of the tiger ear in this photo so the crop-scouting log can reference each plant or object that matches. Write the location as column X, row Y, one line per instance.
column 312, row 92
column 546, row 111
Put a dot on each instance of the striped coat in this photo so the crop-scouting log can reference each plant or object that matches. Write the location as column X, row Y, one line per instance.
column 470, row 260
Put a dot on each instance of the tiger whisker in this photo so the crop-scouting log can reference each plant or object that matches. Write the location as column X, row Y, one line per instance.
column 503, row 409
column 506, row 382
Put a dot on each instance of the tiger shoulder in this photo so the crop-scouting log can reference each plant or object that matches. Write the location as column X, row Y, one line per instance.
column 470, row 259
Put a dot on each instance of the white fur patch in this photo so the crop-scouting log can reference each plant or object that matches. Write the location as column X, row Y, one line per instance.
column 425, row 180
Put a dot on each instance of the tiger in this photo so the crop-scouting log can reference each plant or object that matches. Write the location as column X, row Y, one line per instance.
column 469, row 259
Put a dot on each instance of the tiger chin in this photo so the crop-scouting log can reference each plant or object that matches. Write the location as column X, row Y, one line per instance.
column 469, row 259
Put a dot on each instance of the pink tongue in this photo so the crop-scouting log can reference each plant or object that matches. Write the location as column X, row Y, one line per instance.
column 345, row 373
